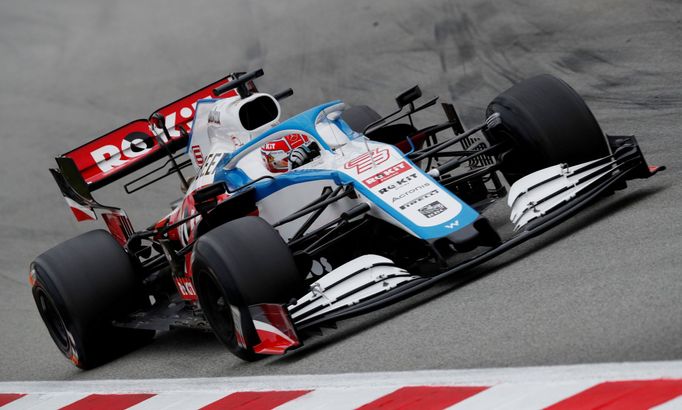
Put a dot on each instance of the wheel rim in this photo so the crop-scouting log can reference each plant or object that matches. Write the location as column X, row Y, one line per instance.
column 52, row 319
column 216, row 308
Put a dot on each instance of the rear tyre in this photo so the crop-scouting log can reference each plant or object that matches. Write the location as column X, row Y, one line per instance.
column 241, row 263
column 80, row 286
column 548, row 123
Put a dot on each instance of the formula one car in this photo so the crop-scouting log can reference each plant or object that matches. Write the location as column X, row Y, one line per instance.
column 289, row 226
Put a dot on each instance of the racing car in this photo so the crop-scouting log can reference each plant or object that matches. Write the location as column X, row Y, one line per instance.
column 286, row 226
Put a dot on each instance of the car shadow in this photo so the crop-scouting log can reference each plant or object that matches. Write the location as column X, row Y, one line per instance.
column 598, row 211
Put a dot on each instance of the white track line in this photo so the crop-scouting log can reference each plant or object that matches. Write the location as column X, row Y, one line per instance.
column 674, row 404
column 178, row 401
column 474, row 377
column 522, row 396
column 336, row 399
column 44, row 401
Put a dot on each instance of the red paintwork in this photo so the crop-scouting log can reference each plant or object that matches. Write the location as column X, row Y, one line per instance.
column 179, row 114
column 6, row 398
column 80, row 215
column 118, row 225
column 273, row 342
column 256, row 400
column 108, row 401
column 626, row 395
column 423, row 398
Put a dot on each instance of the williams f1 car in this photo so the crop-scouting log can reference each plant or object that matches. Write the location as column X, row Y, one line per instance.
column 286, row 226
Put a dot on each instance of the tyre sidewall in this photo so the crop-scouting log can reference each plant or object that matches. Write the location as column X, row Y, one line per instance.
column 89, row 296
column 250, row 264
column 548, row 123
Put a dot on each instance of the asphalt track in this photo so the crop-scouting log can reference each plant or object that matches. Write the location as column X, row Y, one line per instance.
column 606, row 286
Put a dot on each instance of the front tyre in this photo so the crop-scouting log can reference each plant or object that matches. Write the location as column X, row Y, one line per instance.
column 241, row 263
column 80, row 286
column 547, row 123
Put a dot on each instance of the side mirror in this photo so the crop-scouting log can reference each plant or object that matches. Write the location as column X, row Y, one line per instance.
column 408, row 96
column 206, row 198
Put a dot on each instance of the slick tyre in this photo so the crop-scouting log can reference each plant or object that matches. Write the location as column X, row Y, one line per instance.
column 80, row 286
column 241, row 263
column 547, row 123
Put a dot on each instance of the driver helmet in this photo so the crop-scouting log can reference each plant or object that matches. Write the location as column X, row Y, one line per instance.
column 275, row 154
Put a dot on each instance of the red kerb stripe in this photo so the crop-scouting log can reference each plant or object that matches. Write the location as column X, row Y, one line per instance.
column 626, row 395
column 255, row 400
column 107, row 401
column 6, row 398
column 423, row 398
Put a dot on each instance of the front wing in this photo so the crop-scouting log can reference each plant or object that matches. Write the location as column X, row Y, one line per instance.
column 628, row 163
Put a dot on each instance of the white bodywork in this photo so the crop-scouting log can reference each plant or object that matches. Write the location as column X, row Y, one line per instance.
column 397, row 191
column 542, row 191
column 408, row 197
column 217, row 127
column 339, row 288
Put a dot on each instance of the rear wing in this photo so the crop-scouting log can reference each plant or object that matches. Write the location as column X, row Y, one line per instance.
column 125, row 150
column 134, row 145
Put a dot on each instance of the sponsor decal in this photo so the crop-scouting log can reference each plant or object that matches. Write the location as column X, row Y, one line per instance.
column 452, row 225
column 135, row 144
column 410, row 192
column 418, row 199
column 386, row 174
column 432, row 209
column 368, row 160
column 286, row 143
column 185, row 287
column 296, row 140
column 211, row 163
column 398, row 183
column 132, row 142
column 214, row 117
column 198, row 156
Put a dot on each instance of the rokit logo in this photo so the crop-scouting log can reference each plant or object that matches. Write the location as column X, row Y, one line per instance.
column 133, row 145
column 410, row 192
column 138, row 143
column 418, row 199
column 386, row 174
column 180, row 115
column 398, row 183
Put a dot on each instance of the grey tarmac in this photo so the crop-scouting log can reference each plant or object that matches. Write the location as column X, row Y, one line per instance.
column 605, row 286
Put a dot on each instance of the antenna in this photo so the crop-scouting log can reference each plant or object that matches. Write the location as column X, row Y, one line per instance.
column 240, row 83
